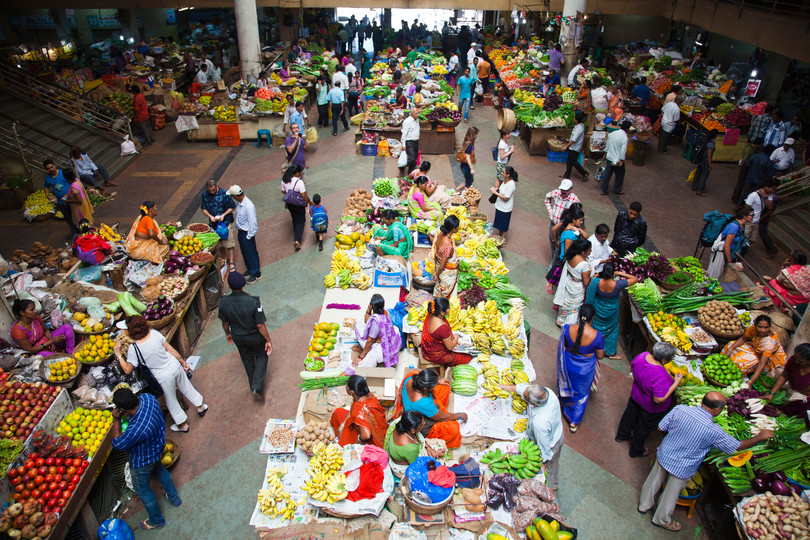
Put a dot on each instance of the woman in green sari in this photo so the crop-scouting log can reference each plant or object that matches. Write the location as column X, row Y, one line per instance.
column 398, row 239
column 603, row 294
column 418, row 204
column 404, row 442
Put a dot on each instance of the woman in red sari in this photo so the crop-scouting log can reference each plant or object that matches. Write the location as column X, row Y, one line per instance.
column 438, row 339
column 364, row 422
column 797, row 375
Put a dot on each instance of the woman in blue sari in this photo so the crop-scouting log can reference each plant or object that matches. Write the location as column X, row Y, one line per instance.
column 603, row 295
column 580, row 349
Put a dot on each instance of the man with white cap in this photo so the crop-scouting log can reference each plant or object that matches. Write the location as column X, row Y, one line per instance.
column 247, row 225
column 557, row 202
column 782, row 158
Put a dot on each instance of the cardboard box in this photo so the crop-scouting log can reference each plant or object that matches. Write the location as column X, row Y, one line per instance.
column 381, row 382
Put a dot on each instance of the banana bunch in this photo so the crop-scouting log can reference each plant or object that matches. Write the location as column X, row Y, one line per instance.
column 490, row 373
column 274, row 501
column 487, row 249
column 361, row 281
column 494, row 266
column 518, row 404
column 476, row 226
column 344, row 278
column 327, row 458
column 511, row 330
column 493, row 392
column 482, row 342
column 526, row 464
column 520, row 425
column 325, row 481
column 339, row 260
column 517, row 364
column 517, row 348
column 453, row 314
column 515, row 316
column 498, row 345
column 107, row 233
column 417, row 314
column 508, row 376
column 329, row 281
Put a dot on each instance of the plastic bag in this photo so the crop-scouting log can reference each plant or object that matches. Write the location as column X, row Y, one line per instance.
column 128, row 147
column 382, row 148
column 691, row 177
column 396, row 148
column 402, row 160
column 222, row 230
column 115, row 529
column 312, row 135
column 398, row 314
column 417, row 473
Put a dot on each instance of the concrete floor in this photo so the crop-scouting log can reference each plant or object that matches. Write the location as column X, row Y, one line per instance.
column 220, row 469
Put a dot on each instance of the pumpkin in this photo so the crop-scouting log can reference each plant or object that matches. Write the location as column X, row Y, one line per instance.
column 738, row 460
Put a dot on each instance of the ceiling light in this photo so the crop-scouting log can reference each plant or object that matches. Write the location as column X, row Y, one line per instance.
column 121, row 38
column 754, row 73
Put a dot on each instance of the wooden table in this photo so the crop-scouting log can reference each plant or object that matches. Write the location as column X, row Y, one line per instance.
column 194, row 295
column 439, row 141
column 536, row 139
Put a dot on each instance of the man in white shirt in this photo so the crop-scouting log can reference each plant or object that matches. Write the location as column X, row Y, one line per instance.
column 670, row 114
column 616, row 151
column 572, row 75
column 247, row 225
column 471, row 54
column 341, row 77
column 202, row 75
column 600, row 248
column 544, row 426
column 762, row 201
column 574, row 147
column 410, row 138
column 350, row 68
column 782, row 158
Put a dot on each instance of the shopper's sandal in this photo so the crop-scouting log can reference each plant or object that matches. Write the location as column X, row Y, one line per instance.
column 145, row 525
column 170, row 501
column 202, row 412
column 175, row 427
column 232, row 267
column 673, row 526
column 572, row 428
column 586, row 177
column 549, row 288
column 643, row 454
column 297, row 246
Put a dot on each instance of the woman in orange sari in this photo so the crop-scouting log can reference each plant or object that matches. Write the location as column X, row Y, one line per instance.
column 145, row 241
column 425, row 392
column 616, row 107
column 758, row 350
column 364, row 422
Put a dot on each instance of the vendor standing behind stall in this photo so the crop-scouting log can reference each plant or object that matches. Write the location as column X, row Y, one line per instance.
column 145, row 240
column 410, row 138
column 424, row 392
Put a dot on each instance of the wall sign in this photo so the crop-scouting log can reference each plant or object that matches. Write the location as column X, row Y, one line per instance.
column 752, row 87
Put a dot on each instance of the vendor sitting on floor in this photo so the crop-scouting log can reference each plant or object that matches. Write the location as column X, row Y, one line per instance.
column 797, row 375
column 758, row 350
column 424, row 392
column 379, row 340
column 145, row 241
column 30, row 334
column 418, row 204
column 438, row 339
column 364, row 422
column 793, row 281
column 397, row 239
column 436, row 193
column 404, row 442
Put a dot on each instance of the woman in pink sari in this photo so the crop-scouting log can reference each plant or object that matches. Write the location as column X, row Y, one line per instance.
column 793, row 281
column 30, row 333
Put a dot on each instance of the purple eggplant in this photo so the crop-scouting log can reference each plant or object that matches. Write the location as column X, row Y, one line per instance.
column 780, row 488
column 760, row 485
column 780, row 476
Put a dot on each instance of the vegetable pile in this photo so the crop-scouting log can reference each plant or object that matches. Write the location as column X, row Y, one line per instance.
column 443, row 113
column 161, row 307
column 717, row 316
column 776, row 515
column 721, row 369
column 178, row 264
column 383, row 187
column 689, row 265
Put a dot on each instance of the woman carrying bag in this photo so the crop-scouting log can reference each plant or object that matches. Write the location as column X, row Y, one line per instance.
column 505, row 193
column 729, row 242
column 296, row 200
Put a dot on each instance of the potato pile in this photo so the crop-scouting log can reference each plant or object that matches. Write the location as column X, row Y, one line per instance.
column 357, row 203
column 45, row 257
column 717, row 316
column 312, row 434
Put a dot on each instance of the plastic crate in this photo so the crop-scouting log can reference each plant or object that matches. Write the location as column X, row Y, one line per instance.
column 562, row 157
column 228, row 130
column 390, row 279
column 369, row 149
column 422, row 240
column 228, row 141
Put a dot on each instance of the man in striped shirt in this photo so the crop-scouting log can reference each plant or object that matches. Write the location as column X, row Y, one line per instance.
column 144, row 439
column 691, row 434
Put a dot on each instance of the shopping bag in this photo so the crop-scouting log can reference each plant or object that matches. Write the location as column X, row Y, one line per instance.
column 312, row 135
column 402, row 160
column 222, row 230
column 691, row 176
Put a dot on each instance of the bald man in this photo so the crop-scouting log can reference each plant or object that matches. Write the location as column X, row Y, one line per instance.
column 691, row 434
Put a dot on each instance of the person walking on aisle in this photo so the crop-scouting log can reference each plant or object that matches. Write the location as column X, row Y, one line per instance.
column 574, row 148
column 557, row 202
column 763, row 201
column 410, row 138
column 504, row 153
column 337, row 99
column 670, row 114
column 616, row 152
column 142, row 114
column 144, row 440
column 321, row 92
column 247, row 225
column 464, row 89
column 243, row 322
column 466, row 158
column 704, row 167
column 691, row 433
column 219, row 207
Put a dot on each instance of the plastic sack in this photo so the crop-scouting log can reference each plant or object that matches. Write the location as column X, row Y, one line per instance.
column 128, row 147
column 395, row 148
column 88, row 274
column 222, row 230
column 402, row 159
column 398, row 314
column 352, row 481
column 468, row 473
column 382, row 148
column 312, row 135
column 115, row 529
column 691, row 177
column 417, row 473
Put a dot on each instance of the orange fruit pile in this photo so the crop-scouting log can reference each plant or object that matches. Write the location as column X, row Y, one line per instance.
column 95, row 348
column 62, row 370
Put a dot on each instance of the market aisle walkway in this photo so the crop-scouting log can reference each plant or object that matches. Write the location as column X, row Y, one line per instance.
column 220, row 470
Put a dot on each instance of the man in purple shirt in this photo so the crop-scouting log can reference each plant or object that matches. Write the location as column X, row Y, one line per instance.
column 555, row 58
column 296, row 145
column 691, row 433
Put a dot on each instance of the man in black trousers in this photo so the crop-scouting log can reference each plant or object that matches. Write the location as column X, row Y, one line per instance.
column 243, row 322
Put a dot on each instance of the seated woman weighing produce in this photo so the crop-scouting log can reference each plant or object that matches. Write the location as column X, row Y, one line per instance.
column 424, row 392
column 438, row 339
column 419, row 205
column 397, row 239
column 404, row 442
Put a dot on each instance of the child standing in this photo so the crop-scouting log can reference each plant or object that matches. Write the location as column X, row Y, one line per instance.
column 319, row 220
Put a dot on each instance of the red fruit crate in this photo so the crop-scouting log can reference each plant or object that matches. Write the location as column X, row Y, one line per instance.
column 228, row 141
column 228, row 130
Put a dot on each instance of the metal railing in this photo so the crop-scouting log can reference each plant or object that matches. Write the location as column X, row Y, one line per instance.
column 65, row 102
column 31, row 152
column 794, row 183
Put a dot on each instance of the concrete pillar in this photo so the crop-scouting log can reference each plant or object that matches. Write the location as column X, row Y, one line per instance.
column 129, row 24
column 83, row 27
column 247, row 33
column 772, row 75
column 567, row 30
column 60, row 22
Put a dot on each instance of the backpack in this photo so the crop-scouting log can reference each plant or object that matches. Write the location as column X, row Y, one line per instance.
column 715, row 221
column 699, row 153
column 319, row 221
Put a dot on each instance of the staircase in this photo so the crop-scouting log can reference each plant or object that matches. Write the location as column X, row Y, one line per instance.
column 35, row 125
column 790, row 224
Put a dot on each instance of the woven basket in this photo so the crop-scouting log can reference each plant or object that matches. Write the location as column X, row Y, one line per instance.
column 100, row 362
column 175, row 454
column 556, row 145
column 424, row 509
column 44, row 370
column 449, row 123
column 194, row 276
column 199, row 225
column 673, row 286
column 160, row 323
column 704, row 322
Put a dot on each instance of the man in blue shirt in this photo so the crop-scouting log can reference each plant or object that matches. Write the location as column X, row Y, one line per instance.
column 464, row 89
column 642, row 93
column 56, row 182
column 144, row 439
column 337, row 100
column 219, row 207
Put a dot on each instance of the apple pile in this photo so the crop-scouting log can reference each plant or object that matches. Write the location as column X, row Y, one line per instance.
column 27, row 521
column 22, row 405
